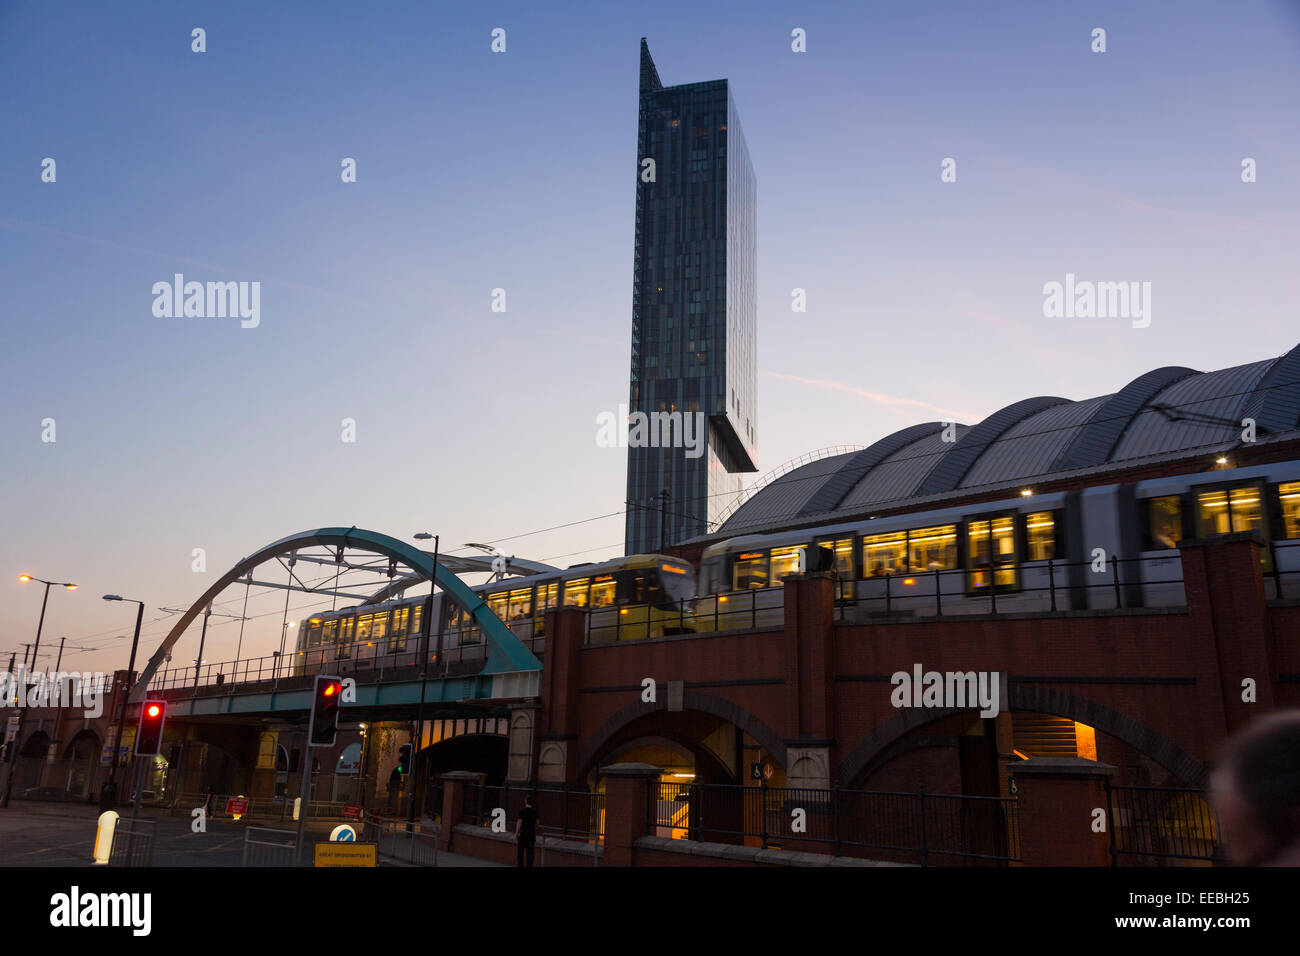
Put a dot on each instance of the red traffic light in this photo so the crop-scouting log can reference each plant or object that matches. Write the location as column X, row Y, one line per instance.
column 148, row 739
column 330, row 690
column 154, row 710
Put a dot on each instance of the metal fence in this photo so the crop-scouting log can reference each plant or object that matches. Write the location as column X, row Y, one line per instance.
column 133, row 842
column 925, row 828
column 417, row 845
column 564, row 812
column 267, row 847
column 1157, row 826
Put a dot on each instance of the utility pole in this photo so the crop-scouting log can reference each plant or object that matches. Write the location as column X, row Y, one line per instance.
column 424, row 669
column 663, row 520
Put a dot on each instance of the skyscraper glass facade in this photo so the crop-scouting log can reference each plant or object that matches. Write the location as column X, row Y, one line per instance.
column 694, row 309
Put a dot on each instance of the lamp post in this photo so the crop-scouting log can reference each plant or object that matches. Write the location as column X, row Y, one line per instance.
column 424, row 667
column 130, row 669
column 22, row 688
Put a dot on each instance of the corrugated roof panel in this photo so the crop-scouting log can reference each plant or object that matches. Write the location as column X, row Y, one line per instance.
column 1216, row 396
column 785, row 496
column 952, row 468
column 838, row 485
column 899, row 474
column 1028, row 449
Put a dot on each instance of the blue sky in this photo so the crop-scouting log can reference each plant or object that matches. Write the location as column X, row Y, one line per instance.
column 479, row 171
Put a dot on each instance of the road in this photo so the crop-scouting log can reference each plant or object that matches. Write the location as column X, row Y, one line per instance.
column 37, row 834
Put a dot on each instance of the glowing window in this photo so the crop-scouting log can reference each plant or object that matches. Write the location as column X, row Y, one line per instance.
column 784, row 561
column 1164, row 522
column 1040, row 536
column 884, row 554
column 1289, row 495
column 932, row 549
column 575, row 592
column 991, row 546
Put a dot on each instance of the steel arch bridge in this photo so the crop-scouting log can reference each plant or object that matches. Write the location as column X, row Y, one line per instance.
column 506, row 654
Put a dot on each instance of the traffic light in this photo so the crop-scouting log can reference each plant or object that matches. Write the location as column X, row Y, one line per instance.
column 325, row 711
column 148, row 738
column 404, row 759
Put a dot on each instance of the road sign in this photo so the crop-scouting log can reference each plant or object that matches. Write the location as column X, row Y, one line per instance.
column 353, row 811
column 237, row 806
column 768, row 770
column 756, row 771
column 343, row 833
column 345, row 854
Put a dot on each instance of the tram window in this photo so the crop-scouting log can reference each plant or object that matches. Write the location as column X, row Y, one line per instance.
column 363, row 626
column 1222, row 512
column 932, row 549
column 1289, row 495
column 379, row 627
column 602, row 591
column 784, row 561
column 884, row 554
column 1040, row 536
column 750, row 571
column 991, row 543
column 498, row 603
column 575, row 592
column 417, row 613
column 401, row 616
column 313, row 637
column 843, row 551
column 347, row 627
column 328, row 632
column 1164, row 523
column 546, row 597
column 521, row 604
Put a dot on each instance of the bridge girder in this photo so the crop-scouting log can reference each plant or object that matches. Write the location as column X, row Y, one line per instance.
column 506, row 653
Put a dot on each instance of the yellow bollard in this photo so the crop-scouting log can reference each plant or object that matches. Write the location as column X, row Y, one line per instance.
column 104, row 836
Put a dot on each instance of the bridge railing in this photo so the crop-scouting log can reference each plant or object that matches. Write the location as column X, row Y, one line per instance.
column 1158, row 826
column 924, row 828
column 566, row 812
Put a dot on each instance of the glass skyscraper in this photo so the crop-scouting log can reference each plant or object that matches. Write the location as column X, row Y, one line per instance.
column 694, row 310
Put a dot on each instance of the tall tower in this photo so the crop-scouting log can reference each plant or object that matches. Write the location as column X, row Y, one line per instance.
column 694, row 306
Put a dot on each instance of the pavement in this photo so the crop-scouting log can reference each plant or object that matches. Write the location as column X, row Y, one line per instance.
column 63, row 834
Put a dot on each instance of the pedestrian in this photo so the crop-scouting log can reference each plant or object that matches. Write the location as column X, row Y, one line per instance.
column 526, row 831
column 1256, row 787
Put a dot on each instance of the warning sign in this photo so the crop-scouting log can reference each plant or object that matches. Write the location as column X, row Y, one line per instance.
column 345, row 854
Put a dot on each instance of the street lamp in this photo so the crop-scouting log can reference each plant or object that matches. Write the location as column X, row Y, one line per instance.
column 130, row 669
column 424, row 668
column 22, row 711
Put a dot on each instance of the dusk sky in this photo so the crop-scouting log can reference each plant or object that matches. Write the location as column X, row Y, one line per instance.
column 478, row 170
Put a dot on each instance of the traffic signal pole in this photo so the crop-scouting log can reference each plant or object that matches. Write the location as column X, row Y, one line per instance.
column 302, row 796
column 418, row 743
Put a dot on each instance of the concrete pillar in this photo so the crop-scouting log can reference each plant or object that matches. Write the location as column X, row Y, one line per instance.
column 455, row 793
column 628, row 795
column 1057, row 800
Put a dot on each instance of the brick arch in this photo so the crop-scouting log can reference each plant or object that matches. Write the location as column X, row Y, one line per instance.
column 1044, row 700
column 682, row 745
column 691, row 700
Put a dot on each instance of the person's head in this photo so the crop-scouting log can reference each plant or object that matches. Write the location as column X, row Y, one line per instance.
column 528, row 800
column 1256, row 787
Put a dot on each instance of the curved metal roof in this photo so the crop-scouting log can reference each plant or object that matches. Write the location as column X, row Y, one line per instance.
column 1167, row 413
